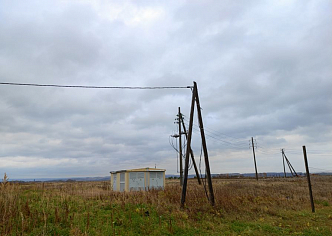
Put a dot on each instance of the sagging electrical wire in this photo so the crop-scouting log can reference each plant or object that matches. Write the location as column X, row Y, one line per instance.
column 175, row 147
column 94, row 87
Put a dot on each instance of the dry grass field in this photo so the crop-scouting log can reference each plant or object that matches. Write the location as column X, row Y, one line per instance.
column 243, row 207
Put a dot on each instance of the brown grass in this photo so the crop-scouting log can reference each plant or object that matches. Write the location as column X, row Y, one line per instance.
column 33, row 204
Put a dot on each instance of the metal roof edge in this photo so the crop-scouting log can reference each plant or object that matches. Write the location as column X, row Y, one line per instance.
column 138, row 170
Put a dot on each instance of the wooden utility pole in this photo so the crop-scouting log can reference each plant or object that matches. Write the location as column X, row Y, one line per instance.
column 206, row 158
column 283, row 161
column 291, row 168
column 180, row 148
column 186, row 165
column 308, row 178
column 253, row 151
column 191, row 153
column 207, row 165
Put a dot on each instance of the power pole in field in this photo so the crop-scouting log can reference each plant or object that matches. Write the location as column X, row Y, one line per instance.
column 191, row 153
column 308, row 178
column 283, row 161
column 291, row 168
column 253, row 151
column 180, row 122
column 180, row 148
column 195, row 99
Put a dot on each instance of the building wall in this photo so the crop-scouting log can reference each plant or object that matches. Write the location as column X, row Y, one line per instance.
column 156, row 179
column 127, row 181
column 116, row 185
column 149, row 179
column 112, row 176
column 136, row 180
column 117, row 181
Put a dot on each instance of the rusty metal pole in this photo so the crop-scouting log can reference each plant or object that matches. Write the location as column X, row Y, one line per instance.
column 308, row 178
column 207, row 164
column 186, row 165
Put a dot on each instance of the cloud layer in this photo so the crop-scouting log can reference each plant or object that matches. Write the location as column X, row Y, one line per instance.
column 263, row 70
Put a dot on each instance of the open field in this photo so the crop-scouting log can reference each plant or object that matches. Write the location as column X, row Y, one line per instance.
column 243, row 207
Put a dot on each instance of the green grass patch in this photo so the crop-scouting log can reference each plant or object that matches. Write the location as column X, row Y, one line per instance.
column 242, row 208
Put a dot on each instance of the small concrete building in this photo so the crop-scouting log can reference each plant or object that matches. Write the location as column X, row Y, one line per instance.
column 138, row 179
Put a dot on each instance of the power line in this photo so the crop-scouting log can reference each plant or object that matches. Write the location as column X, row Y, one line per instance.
column 223, row 142
column 94, row 87
column 239, row 145
column 267, row 152
column 217, row 133
column 259, row 146
column 211, row 135
column 320, row 154
column 320, row 169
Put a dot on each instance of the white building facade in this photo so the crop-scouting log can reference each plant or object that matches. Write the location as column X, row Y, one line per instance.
column 138, row 179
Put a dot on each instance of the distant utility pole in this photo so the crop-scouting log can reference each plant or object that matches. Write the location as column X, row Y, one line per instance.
column 253, row 151
column 291, row 168
column 283, row 161
column 180, row 147
column 195, row 99
column 308, row 178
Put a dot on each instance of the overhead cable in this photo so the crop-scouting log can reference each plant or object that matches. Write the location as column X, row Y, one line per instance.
column 217, row 133
column 94, row 87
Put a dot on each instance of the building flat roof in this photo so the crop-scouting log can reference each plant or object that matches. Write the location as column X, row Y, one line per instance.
column 138, row 170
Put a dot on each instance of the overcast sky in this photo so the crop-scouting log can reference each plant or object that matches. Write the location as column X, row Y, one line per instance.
column 263, row 69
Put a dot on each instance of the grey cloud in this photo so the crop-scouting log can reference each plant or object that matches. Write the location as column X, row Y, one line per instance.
column 263, row 70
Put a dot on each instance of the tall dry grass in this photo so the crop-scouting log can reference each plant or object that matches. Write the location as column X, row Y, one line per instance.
column 9, row 205
column 27, row 206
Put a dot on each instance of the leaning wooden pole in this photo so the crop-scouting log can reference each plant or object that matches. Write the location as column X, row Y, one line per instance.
column 308, row 178
column 253, row 151
column 186, row 164
column 207, row 165
column 291, row 167
column 191, row 154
